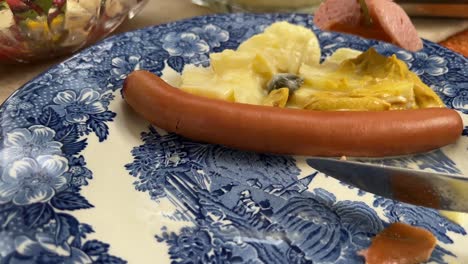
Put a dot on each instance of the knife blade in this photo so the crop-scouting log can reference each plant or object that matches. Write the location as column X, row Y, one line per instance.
column 429, row 189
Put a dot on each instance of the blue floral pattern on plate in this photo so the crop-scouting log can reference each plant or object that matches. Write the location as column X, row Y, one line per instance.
column 244, row 207
column 255, row 207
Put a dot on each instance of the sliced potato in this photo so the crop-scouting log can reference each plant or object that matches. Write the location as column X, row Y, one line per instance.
column 339, row 56
column 312, row 52
column 230, row 60
column 263, row 67
column 300, row 97
column 203, row 82
column 246, row 86
column 277, row 98
column 286, row 46
column 264, row 44
column 300, row 46
column 323, row 78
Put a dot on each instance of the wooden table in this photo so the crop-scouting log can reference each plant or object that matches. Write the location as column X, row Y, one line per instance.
column 162, row 11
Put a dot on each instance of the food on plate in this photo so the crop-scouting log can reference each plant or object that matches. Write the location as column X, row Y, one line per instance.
column 455, row 217
column 277, row 97
column 389, row 22
column 372, row 78
column 400, row 243
column 290, row 131
column 347, row 80
column 273, row 95
column 243, row 75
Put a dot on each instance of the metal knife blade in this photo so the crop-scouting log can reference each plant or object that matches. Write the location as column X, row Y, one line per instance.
column 429, row 189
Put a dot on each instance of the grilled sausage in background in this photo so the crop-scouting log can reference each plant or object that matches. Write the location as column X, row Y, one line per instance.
column 389, row 22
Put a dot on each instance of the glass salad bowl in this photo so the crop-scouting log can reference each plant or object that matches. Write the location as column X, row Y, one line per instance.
column 31, row 30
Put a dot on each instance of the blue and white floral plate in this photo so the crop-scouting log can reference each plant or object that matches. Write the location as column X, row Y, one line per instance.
column 86, row 180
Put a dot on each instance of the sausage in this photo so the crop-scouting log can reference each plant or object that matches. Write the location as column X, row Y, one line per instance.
column 400, row 243
column 289, row 131
column 390, row 22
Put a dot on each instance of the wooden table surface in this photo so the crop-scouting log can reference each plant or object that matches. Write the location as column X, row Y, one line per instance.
column 162, row 11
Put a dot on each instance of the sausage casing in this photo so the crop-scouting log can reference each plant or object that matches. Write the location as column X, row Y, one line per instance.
column 290, row 131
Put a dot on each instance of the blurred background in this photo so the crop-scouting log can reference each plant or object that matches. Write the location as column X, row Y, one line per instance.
column 50, row 35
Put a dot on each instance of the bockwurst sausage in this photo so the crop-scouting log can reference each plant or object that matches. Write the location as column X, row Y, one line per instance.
column 289, row 131
column 390, row 22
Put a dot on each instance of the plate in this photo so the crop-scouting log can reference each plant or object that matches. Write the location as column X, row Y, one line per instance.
column 86, row 180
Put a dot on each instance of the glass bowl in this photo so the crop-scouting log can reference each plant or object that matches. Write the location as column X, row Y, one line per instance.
column 32, row 30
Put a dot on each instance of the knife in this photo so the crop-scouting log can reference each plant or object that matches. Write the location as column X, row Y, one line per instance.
column 429, row 189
